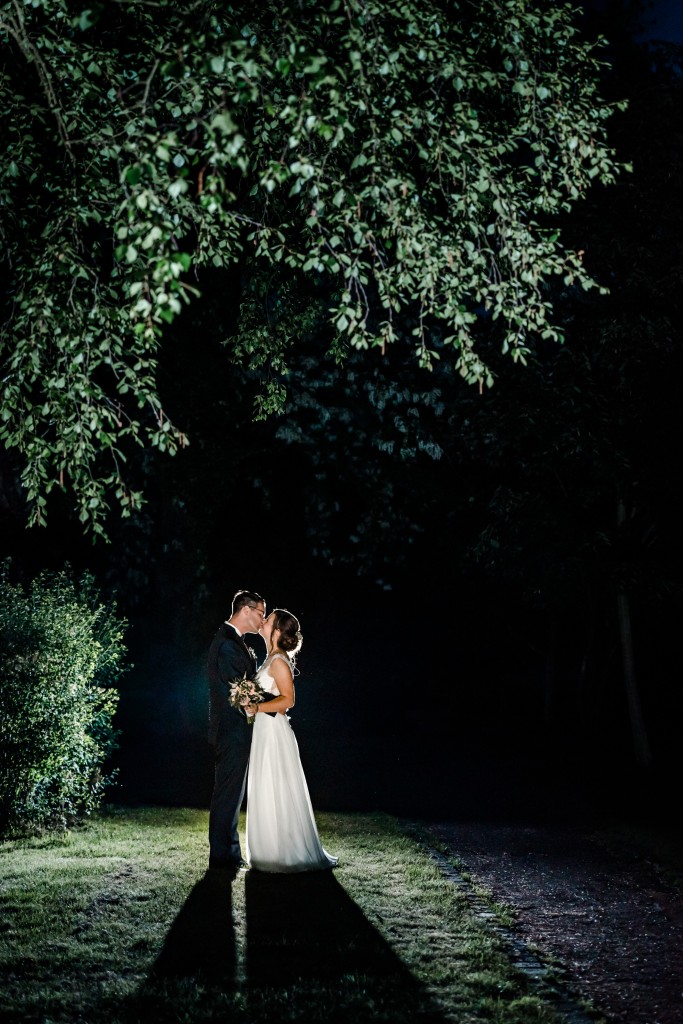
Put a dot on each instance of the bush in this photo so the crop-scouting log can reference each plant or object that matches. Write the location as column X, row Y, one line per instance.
column 61, row 653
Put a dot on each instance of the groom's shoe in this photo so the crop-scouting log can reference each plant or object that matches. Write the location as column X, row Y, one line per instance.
column 216, row 864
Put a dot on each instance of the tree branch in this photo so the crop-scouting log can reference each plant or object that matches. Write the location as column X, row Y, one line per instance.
column 17, row 31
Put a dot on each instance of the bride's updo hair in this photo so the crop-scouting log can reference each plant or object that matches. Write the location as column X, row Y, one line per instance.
column 290, row 639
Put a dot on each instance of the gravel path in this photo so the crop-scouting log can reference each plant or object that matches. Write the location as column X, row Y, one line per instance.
column 606, row 903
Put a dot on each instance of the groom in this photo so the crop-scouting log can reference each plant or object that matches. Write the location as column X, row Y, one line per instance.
column 229, row 732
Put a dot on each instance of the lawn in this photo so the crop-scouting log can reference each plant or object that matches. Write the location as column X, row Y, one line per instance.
column 118, row 921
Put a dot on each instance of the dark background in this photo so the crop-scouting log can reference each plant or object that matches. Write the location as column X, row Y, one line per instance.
column 462, row 655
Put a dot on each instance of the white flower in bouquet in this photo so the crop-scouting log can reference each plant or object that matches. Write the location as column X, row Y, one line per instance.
column 244, row 692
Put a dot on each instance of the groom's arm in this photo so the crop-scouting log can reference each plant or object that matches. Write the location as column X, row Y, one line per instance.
column 232, row 662
column 266, row 698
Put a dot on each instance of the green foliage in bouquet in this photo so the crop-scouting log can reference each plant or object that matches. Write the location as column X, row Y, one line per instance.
column 61, row 655
column 243, row 693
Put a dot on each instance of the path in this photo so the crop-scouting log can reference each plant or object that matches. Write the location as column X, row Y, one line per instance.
column 606, row 903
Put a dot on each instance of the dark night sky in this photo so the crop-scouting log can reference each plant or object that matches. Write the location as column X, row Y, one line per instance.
column 666, row 21
column 662, row 19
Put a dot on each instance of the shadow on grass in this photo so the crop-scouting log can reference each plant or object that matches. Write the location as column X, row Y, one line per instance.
column 201, row 941
column 313, row 955
column 194, row 978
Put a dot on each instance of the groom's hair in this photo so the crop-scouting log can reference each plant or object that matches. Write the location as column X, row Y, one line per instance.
column 242, row 597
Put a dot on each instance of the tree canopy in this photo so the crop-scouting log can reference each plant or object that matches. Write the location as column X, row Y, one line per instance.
column 405, row 163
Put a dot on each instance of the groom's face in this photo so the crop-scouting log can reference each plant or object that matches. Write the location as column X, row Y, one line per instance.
column 254, row 618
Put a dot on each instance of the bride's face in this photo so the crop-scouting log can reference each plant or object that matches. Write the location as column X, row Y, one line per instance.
column 267, row 628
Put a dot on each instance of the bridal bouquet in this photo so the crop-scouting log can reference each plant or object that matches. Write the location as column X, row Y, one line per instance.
column 243, row 692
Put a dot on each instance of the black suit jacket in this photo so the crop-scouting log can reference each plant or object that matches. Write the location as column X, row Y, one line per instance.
column 229, row 659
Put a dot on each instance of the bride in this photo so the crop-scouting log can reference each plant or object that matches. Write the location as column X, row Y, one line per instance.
column 281, row 831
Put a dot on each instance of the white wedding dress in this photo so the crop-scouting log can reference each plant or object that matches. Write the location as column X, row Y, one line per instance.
column 282, row 835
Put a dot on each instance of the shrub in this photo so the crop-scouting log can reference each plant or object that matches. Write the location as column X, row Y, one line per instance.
column 61, row 655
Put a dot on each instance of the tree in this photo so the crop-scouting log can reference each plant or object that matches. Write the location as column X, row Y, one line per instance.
column 410, row 158
column 62, row 656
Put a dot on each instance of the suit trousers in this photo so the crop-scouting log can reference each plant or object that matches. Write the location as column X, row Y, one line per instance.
column 232, row 758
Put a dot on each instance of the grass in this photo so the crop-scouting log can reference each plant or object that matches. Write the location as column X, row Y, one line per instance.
column 119, row 922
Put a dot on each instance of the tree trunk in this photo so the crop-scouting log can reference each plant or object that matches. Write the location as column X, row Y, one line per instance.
column 641, row 744
column 549, row 676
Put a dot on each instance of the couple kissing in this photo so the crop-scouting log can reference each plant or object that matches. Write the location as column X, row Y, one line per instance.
column 255, row 747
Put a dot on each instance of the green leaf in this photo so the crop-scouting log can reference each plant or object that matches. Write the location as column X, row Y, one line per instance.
column 406, row 191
